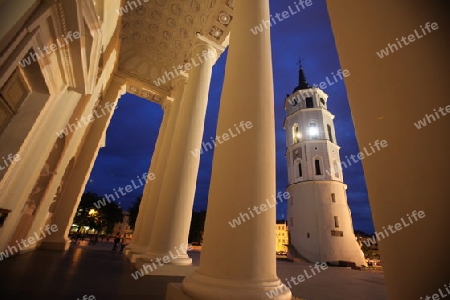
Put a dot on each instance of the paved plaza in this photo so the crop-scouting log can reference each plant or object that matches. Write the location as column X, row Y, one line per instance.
column 96, row 270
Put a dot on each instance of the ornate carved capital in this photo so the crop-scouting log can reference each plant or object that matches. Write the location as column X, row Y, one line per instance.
column 167, row 104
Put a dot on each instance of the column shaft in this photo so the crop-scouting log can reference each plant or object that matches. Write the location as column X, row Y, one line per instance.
column 150, row 198
column 177, row 194
column 135, row 244
column 243, row 174
column 65, row 210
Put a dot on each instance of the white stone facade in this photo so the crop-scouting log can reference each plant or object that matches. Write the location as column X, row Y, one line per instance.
column 64, row 61
column 320, row 222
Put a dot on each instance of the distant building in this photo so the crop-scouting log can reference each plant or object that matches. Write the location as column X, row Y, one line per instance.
column 124, row 227
column 282, row 236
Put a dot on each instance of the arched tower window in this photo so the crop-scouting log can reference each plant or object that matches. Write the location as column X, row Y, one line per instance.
column 298, row 169
column 330, row 133
column 295, row 134
column 323, row 102
column 336, row 221
column 317, row 166
column 313, row 130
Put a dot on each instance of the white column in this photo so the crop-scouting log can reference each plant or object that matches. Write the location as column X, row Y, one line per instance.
column 240, row 263
column 150, row 198
column 135, row 246
column 66, row 209
column 177, row 194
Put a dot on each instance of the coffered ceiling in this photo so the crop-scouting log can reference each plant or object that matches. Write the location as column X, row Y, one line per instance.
column 157, row 36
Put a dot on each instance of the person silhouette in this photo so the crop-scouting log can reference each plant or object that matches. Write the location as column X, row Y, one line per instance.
column 116, row 241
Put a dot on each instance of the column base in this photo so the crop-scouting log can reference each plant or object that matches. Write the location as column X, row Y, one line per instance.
column 134, row 256
column 136, row 251
column 168, row 258
column 60, row 245
column 202, row 287
column 175, row 292
column 155, row 269
column 127, row 251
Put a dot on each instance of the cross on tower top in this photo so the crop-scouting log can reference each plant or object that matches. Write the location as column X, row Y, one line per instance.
column 302, row 83
column 299, row 62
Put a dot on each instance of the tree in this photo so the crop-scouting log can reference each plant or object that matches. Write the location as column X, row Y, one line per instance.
column 197, row 227
column 106, row 216
column 134, row 211
column 111, row 214
column 82, row 217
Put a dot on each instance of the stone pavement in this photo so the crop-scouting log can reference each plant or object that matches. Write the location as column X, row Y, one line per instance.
column 333, row 282
column 96, row 270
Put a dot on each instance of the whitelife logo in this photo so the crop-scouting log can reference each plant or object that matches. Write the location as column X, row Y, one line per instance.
column 341, row 74
column 431, row 118
column 86, row 297
column 345, row 163
column 266, row 24
column 128, row 189
column 71, row 127
column 169, row 75
column 129, row 6
column 10, row 160
column 220, row 139
column 35, row 56
column 391, row 48
column 398, row 226
column 11, row 250
column 297, row 280
column 259, row 209
column 439, row 296
column 151, row 266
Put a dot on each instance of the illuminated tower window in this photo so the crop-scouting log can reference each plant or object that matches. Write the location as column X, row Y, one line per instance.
column 295, row 134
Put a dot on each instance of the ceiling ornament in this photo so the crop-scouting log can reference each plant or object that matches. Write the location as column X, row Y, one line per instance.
column 160, row 33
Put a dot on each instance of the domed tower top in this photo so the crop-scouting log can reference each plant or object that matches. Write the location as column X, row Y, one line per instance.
column 304, row 95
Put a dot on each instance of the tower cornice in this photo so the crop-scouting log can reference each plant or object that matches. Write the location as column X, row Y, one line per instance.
column 306, row 110
column 300, row 93
column 305, row 142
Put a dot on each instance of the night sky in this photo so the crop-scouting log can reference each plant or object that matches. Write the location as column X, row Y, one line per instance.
column 132, row 134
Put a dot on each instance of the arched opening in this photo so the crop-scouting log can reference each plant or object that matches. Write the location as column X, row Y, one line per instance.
column 330, row 133
column 295, row 134
column 318, row 166
column 309, row 102
column 313, row 130
column 298, row 169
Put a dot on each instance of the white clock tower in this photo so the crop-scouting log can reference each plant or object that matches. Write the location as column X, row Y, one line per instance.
column 320, row 222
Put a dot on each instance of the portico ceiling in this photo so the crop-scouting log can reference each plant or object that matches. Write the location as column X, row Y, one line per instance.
column 158, row 35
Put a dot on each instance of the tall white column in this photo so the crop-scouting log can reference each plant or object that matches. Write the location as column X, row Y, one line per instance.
column 70, row 198
column 240, row 263
column 177, row 194
column 135, row 246
column 150, row 198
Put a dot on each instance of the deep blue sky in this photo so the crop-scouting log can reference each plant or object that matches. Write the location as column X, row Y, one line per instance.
column 134, row 128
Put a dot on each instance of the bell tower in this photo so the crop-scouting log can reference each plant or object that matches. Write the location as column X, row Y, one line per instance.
column 320, row 222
